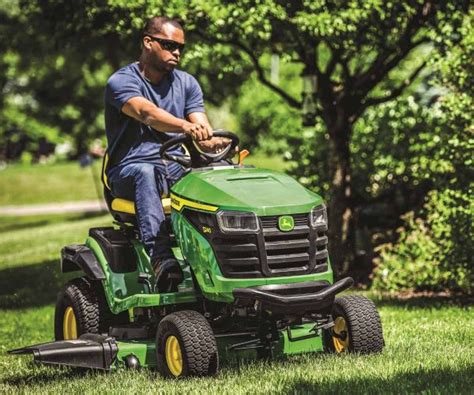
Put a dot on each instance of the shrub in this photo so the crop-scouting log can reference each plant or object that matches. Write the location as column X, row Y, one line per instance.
column 434, row 253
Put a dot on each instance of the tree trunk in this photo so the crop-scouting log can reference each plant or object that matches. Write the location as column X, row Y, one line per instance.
column 340, row 208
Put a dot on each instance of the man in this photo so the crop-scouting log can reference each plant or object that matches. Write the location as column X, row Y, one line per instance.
column 145, row 104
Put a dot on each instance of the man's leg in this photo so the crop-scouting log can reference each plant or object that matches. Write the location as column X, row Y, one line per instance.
column 142, row 183
column 167, row 269
column 168, row 173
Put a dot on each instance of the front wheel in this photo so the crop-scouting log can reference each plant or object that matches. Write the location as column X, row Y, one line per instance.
column 357, row 326
column 186, row 346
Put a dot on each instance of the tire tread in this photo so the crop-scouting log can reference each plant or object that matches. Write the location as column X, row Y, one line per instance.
column 199, row 347
column 363, row 320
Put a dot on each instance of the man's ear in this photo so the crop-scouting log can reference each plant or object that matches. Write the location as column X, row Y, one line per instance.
column 146, row 42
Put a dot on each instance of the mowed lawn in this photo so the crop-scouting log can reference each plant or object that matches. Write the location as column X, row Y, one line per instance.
column 429, row 342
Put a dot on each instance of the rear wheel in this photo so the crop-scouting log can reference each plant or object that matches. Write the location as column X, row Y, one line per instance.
column 81, row 308
column 357, row 326
column 186, row 346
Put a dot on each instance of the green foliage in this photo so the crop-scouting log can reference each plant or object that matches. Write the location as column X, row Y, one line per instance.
column 433, row 253
column 55, row 77
column 394, row 147
column 264, row 119
column 438, row 247
column 414, row 266
column 309, row 150
column 14, row 118
column 85, row 42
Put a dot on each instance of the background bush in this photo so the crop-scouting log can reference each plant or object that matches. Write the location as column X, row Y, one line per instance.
column 436, row 250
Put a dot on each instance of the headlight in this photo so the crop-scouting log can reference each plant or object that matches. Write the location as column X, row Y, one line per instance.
column 237, row 222
column 319, row 217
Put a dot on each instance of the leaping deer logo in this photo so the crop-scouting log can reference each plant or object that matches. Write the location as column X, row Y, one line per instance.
column 286, row 223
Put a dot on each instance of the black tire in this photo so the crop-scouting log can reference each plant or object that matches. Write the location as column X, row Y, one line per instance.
column 196, row 341
column 363, row 327
column 87, row 300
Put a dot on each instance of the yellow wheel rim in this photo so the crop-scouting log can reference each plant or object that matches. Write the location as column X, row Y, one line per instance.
column 173, row 355
column 341, row 344
column 69, row 324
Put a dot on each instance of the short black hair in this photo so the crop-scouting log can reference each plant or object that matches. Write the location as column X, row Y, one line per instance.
column 155, row 25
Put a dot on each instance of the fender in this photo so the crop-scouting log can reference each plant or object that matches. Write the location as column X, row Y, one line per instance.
column 80, row 257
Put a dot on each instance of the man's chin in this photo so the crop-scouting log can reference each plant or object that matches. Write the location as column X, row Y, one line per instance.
column 167, row 68
column 172, row 65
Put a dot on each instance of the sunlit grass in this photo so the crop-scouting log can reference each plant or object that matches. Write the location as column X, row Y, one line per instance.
column 48, row 183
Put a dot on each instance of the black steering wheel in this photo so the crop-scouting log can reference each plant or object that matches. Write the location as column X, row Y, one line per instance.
column 197, row 157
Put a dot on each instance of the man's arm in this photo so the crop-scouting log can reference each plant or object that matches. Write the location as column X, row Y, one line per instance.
column 199, row 117
column 150, row 114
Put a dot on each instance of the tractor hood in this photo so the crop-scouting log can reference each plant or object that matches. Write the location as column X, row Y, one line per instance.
column 265, row 192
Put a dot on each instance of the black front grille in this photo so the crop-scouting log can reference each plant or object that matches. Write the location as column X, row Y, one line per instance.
column 238, row 256
column 269, row 253
column 294, row 252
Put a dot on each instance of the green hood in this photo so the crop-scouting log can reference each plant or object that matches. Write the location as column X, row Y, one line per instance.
column 265, row 192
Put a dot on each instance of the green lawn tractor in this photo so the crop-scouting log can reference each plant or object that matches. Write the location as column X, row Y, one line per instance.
column 252, row 244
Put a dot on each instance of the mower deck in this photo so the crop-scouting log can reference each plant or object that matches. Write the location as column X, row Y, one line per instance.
column 107, row 353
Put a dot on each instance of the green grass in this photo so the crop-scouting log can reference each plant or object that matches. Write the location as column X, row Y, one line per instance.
column 429, row 343
column 63, row 182
column 427, row 350
column 264, row 162
column 47, row 183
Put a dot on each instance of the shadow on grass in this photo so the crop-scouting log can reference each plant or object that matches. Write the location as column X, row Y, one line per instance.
column 31, row 222
column 14, row 225
column 446, row 380
column 53, row 374
column 30, row 286
column 422, row 301
column 440, row 380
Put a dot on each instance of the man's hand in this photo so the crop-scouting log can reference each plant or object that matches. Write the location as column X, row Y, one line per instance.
column 215, row 144
column 198, row 131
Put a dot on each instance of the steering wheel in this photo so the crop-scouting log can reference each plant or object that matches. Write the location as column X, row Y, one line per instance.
column 197, row 157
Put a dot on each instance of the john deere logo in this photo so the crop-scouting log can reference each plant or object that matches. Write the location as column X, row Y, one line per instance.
column 286, row 223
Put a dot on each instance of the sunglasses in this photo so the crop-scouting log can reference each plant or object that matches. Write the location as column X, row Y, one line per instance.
column 167, row 45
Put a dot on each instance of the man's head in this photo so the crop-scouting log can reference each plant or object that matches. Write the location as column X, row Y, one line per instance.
column 163, row 43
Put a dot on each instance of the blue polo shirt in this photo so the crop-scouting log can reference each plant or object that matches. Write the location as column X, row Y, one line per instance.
column 131, row 141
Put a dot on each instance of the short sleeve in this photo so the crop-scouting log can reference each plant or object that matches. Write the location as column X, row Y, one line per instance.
column 194, row 97
column 121, row 87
